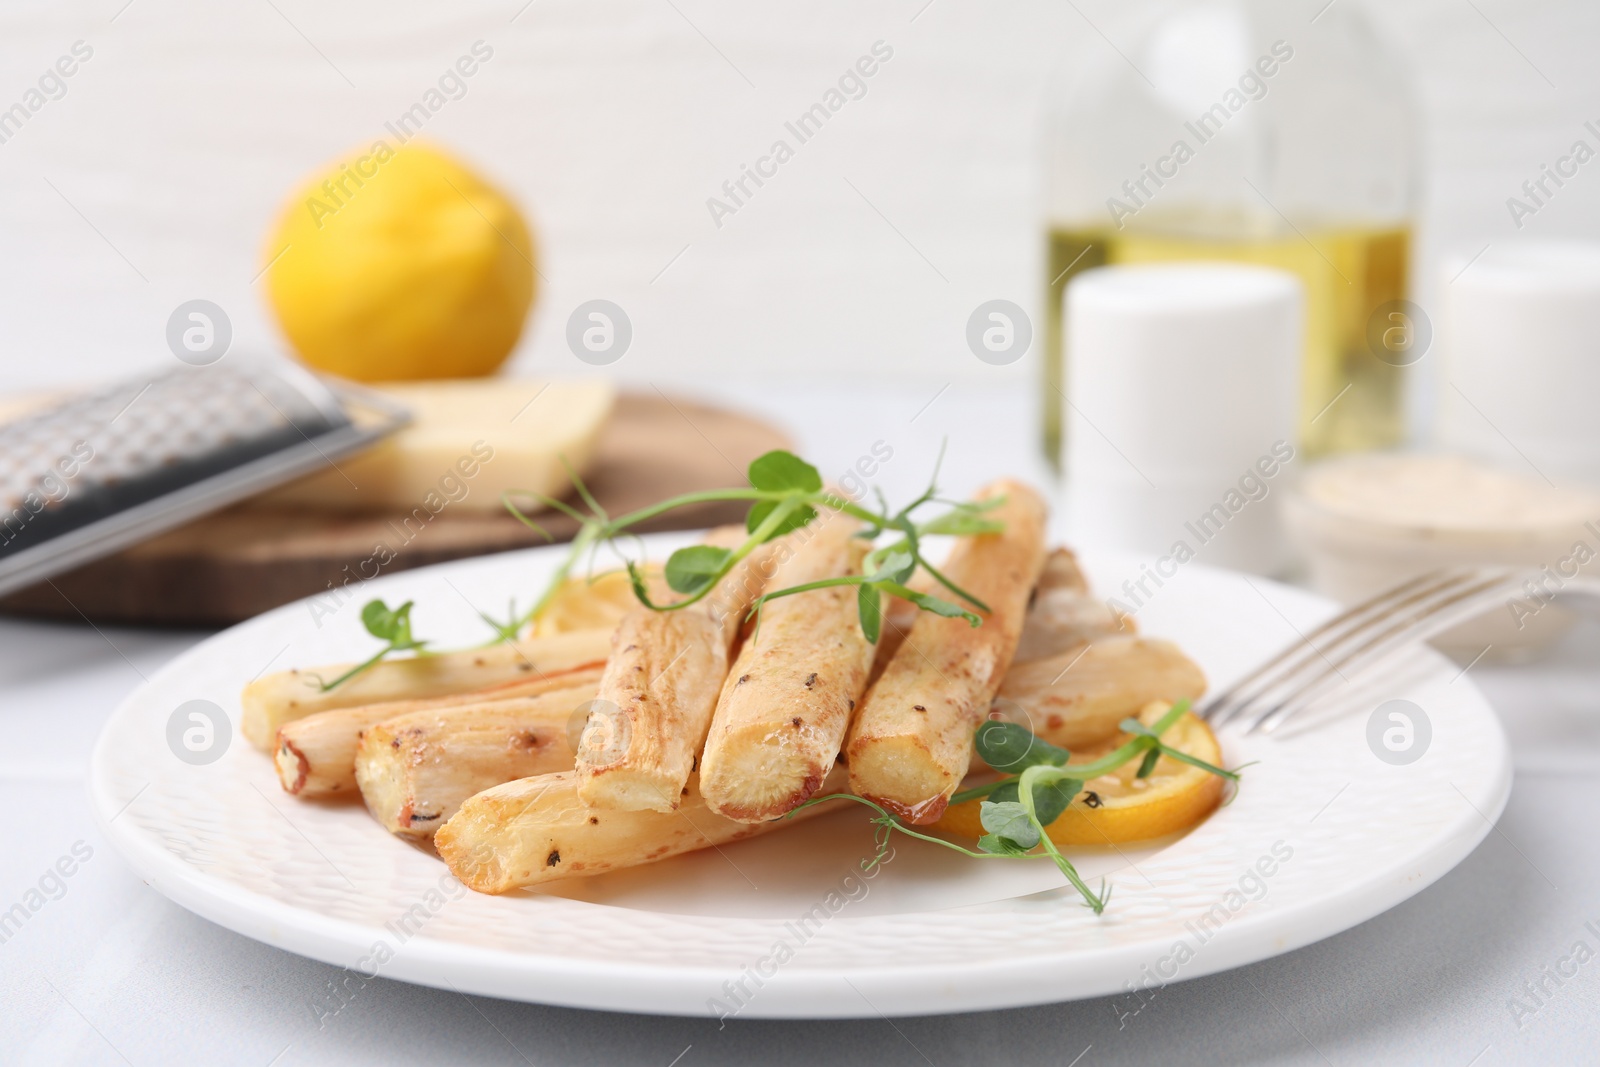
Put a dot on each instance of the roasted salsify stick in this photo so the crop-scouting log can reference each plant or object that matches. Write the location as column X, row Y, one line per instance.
column 789, row 696
column 315, row 756
column 271, row 701
column 416, row 769
column 660, row 688
column 537, row 830
column 912, row 739
column 1062, row 614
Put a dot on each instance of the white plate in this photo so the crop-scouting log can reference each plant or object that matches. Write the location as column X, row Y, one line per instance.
column 1344, row 834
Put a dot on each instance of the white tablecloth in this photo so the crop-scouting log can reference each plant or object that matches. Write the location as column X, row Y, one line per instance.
column 108, row 971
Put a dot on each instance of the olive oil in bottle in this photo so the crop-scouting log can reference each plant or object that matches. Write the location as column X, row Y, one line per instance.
column 1243, row 131
column 1350, row 400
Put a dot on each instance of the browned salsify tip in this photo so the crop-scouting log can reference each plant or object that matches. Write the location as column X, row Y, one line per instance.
column 302, row 768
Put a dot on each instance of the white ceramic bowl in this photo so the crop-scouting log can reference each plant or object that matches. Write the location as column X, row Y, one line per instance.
column 1368, row 523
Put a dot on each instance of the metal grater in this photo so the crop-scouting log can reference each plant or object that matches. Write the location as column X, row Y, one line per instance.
column 106, row 469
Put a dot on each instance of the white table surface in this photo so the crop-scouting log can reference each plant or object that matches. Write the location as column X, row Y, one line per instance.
column 111, row 972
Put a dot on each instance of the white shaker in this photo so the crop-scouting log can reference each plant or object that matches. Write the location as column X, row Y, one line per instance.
column 1520, row 345
column 1182, row 389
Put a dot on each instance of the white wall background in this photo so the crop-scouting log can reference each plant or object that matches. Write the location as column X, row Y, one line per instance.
column 154, row 179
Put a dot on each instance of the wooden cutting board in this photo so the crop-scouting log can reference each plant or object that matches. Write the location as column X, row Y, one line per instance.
column 237, row 563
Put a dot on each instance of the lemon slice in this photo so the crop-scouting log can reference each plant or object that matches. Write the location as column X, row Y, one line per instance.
column 1119, row 807
column 581, row 604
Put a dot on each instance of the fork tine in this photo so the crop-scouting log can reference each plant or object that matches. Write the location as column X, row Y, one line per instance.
column 1421, row 624
column 1223, row 705
column 1320, row 664
column 1299, row 655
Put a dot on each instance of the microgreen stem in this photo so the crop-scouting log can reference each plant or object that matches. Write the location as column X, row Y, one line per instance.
column 760, row 535
column 1044, row 774
column 370, row 661
column 888, row 820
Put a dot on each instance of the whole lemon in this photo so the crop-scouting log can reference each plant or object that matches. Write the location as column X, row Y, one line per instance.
column 400, row 263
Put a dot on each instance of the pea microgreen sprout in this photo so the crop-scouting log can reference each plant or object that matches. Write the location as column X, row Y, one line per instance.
column 391, row 626
column 1145, row 740
column 785, row 494
column 888, row 824
column 1038, row 785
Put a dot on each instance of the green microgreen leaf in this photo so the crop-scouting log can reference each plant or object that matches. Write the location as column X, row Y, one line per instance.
column 1147, row 766
column 780, row 471
column 386, row 624
column 963, row 521
column 933, row 604
column 1001, row 846
column 797, row 520
column 870, row 608
column 896, row 566
column 1010, row 821
column 1050, row 799
column 1009, row 747
column 691, row 569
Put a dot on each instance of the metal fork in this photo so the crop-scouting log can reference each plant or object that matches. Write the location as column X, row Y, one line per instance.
column 1338, row 650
